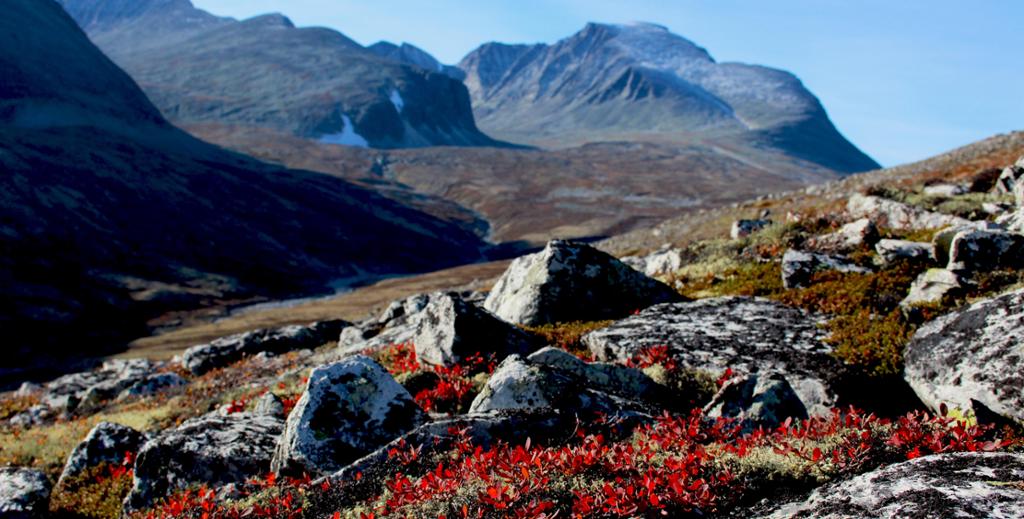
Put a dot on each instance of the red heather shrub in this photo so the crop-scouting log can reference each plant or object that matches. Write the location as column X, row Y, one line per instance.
column 455, row 388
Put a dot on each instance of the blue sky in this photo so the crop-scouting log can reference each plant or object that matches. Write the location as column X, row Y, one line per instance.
column 902, row 79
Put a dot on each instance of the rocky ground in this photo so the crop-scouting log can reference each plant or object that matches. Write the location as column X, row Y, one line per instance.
column 859, row 357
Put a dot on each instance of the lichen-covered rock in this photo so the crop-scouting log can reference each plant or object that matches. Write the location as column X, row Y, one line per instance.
column 82, row 391
column 227, row 350
column 983, row 250
column 896, row 215
column 945, row 190
column 154, row 384
column 269, row 405
column 943, row 240
column 569, row 282
column 747, row 335
column 614, row 379
column 968, row 484
column 972, row 354
column 897, row 250
column 849, row 237
column 396, row 325
column 106, row 443
column 348, row 410
column 520, row 384
column 931, row 286
column 744, row 228
column 757, row 401
column 1009, row 178
column 210, row 450
column 24, row 493
column 799, row 267
column 451, row 330
column 658, row 263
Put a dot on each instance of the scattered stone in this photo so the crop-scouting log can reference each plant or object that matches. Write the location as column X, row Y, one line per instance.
column 106, row 443
column 349, row 409
column 228, row 350
column 1009, row 177
column 154, row 384
column 757, row 401
column 896, row 250
column 28, row 389
column 972, row 354
column 24, row 493
column 945, row 190
column 799, row 267
column 269, row 405
column 896, row 215
column 659, row 263
column 520, row 384
column 983, row 250
column 943, row 240
column 744, row 228
column 747, row 335
column 36, row 415
column 396, row 325
column 968, row 484
column 931, row 287
column 569, row 282
column 210, row 450
column 84, row 391
column 849, row 237
column 452, row 330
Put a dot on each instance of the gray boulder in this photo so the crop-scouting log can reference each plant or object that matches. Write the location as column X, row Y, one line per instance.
column 349, row 409
column 757, row 401
column 520, row 384
column 572, row 282
column 945, row 190
column 1009, row 178
column 897, row 215
column 658, row 263
column 968, row 484
column 849, row 237
column 154, row 384
column 211, row 450
column 932, row 286
column 799, row 267
column 903, row 250
column 972, row 355
column 983, row 250
column 396, row 325
column 744, row 228
column 452, row 329
column 106, row 443
column 24, row 493
column 613, row 379
column 943, row 240
column 228, row 350
column 747, row 335
column 269, row 405
column 84, row 391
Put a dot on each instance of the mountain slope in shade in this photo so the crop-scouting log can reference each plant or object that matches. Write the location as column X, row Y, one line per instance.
column 641, row 82
column 110, row 216
column 310, row 82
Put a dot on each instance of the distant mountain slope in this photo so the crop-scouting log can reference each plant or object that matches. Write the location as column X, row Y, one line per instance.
column 413, row 55
column 310, row 82
column 110, row 216
column 641, row 82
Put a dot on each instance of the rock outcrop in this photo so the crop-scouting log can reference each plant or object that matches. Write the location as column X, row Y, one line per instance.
column 895, row 250
column 108, row 443
column 210, row 450
column 747, row 335
column 932, row 286
column 984, row 250
column 81, row 391
column 24, row 493
column 349, row 409
column 657, row 263
column 452, row 329
column 972, row 356
column 757, row 401
column 397, row 324
column 799, row 267
column 570, row 281
column 897, row 215
column 949, row 485
column 848, row 238
column 227, row 350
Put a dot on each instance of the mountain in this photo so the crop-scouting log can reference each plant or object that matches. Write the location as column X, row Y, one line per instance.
column 640, row 82
column 413, row 55
column 110, row 216
column 309, row 82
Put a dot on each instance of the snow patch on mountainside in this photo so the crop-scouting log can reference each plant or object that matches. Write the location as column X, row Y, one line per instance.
column 347, row 136
column 396, row 99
